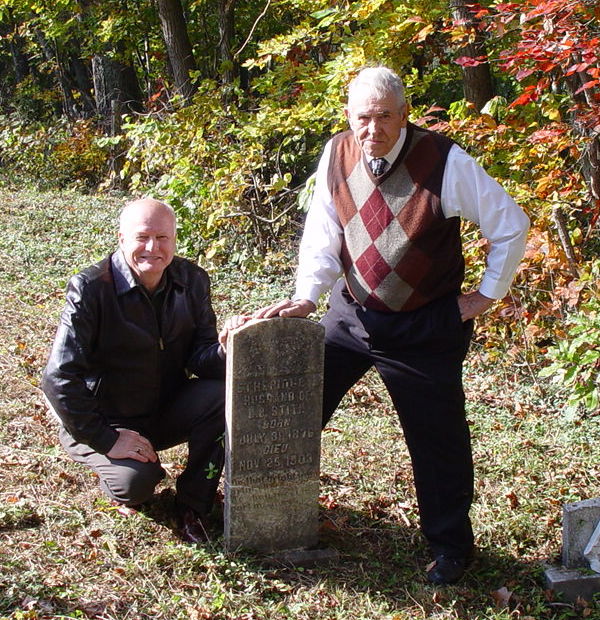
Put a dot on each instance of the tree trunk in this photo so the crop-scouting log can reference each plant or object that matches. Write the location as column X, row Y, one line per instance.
column 20, row 62
column 478, row 85
column 70, row 108
column 590, row 158
column 114, row 81
column 179, row 48
column 79, row 73
column 226, row 32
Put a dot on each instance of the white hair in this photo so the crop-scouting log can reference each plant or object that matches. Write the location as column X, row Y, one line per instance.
column 379, row 81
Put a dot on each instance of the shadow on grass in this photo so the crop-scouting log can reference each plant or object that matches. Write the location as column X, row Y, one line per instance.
column 19, row 520
column 388, row 561
column 382, row 558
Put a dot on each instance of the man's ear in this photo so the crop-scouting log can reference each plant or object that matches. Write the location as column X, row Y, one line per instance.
column 120, row 238
column 348, row 117
column 404, row 112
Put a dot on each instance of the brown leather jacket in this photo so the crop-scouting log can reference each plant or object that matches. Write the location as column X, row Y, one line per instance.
column 115, row 361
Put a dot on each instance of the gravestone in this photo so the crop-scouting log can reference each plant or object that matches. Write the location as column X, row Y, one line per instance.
column 273, row 411
column 592, row 550
column 580, row 552
column 579, row 522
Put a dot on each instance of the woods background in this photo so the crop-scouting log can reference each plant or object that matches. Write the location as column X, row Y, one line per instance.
column 221, row 107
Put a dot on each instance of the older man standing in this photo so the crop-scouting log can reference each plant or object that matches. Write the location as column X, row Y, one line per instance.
column 134, row 328
column 386, row 215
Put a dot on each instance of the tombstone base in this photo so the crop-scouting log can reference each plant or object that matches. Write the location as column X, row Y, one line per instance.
column 572, row 583
column 302, row 558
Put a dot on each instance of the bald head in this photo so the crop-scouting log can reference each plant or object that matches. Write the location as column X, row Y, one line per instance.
column 145, row 207
column 147, row 230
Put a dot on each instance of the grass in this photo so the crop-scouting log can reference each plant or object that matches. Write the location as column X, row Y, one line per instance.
column 65, row 552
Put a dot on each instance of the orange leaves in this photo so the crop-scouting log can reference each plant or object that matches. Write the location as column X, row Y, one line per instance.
column 556, row 39
column 529, row 95
column 568, row 294
column 552, row 133
column 328, row 501
column 587, row 85
column 424, row 33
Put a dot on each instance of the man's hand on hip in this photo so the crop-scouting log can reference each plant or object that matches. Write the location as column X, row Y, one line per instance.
column 473, row 304
column 300, row 308
column 132, row 445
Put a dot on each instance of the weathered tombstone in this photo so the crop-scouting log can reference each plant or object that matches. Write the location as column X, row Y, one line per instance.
column 579, row 522
column 580, row 552
column 274, row 409
column 592, row 550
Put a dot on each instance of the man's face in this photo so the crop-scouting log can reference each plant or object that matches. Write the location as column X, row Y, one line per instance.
column 147, row 239
column 375, row 121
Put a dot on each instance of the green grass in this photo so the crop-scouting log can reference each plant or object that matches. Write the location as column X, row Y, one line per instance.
column 66, row 553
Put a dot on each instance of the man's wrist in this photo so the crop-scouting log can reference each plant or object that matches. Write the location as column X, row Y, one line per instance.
column 105, row 443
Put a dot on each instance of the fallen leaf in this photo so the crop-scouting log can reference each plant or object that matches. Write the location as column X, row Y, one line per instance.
column 328, row 501
column 501, row 597
column 513, row 500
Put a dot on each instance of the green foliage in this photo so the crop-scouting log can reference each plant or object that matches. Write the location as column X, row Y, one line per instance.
column 236, row 163
column 60, row 154
column 32, row 103
column 231, row 171
column 575, row 357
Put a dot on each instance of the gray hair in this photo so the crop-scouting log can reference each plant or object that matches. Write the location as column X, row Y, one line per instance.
column 380, row 81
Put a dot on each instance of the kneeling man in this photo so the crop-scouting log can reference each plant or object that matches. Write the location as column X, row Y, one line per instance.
column 135, row 328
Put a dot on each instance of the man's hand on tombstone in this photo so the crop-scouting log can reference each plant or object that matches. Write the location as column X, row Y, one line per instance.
column 132, row 445
column 300, row 308
column 230, row 324
column 473, row 304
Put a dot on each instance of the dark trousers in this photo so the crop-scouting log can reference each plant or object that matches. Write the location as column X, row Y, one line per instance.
column 419, row 356
column 196, row 416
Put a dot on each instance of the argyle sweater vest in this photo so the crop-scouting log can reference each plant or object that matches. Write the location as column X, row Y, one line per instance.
column 399, row 251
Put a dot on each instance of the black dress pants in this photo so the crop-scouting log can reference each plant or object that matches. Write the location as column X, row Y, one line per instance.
column 195, row 415
column 419, row 356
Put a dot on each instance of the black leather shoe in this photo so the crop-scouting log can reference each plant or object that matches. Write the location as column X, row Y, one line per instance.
column 446, row 570
column 192, row 525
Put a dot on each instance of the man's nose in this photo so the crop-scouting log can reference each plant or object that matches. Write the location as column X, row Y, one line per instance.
column 151, row 244
column 373, row 125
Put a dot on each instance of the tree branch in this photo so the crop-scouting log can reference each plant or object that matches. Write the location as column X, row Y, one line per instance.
column 264, row 12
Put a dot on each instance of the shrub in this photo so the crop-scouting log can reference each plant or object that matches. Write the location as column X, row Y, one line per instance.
column 60, row 154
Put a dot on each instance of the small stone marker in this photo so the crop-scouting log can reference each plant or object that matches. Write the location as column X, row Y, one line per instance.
column 273, row 438
column 579, row 522
column 592, row 550
column 581, row 551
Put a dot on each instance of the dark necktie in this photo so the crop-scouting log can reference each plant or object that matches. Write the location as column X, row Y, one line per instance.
column 378, row 166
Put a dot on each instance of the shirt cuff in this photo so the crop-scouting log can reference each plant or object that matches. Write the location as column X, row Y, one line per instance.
column 494, row 289
column 308, row 291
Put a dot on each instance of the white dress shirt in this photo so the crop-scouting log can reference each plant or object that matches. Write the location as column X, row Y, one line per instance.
column 467, row 191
